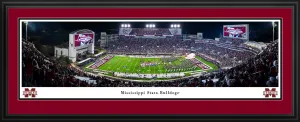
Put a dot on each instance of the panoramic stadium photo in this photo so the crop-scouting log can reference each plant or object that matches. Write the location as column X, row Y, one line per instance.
column 149, row 53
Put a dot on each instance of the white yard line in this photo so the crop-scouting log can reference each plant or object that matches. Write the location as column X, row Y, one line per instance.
column 137, row 62
column 159, row 69
column 149, row 68
column 121, row 65
column 154, row 67
column 115, row 67
column 131, row 62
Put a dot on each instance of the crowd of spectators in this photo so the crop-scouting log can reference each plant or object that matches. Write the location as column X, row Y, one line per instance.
column 150, row 31
column 225, row 56
column 255, row 70
column 133, row 45
column 38, row 70
column 233, row 41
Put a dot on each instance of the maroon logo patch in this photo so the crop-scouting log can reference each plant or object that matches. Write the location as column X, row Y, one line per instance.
column 268, row 92
column 29, row 92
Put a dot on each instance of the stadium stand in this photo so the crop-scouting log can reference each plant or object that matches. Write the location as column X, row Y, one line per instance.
column 252, row 70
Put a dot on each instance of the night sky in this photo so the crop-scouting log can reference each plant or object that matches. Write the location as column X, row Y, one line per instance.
column 55, row 33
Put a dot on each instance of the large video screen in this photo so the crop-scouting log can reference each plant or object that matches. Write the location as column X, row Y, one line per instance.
column 236, row 31
column 83, row 39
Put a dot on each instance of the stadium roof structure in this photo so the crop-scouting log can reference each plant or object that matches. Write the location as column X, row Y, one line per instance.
column 81, row 31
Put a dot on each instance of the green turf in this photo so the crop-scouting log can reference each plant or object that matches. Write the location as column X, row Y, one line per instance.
column 133, row 65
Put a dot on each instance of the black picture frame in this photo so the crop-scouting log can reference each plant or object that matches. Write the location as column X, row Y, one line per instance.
column 140, row 4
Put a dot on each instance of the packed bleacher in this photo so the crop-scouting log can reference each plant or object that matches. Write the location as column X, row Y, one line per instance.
column 150, row 31
column 38, row 70
column 225, row 57
column 132, row 45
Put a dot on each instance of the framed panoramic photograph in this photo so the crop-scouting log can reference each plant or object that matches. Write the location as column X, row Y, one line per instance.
column 150, row 60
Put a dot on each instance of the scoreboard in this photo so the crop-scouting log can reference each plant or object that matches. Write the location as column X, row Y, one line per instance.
column 236, row 31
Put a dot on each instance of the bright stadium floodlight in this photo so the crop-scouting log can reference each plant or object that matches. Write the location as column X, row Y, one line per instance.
column 122, row 26
column 172, row 25
column 125, row 25
column 147, row 25
column 178, row 26
column 26, row 23
column 129, row 25
column 153, row 25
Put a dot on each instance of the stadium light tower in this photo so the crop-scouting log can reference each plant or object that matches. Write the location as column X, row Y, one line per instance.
column 26, row 23
column 125, row 25
column 175, row 26
column 274, row 25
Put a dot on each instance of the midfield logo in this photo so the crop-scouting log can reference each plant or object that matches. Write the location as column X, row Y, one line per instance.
column 30, row 93
column 269, row 92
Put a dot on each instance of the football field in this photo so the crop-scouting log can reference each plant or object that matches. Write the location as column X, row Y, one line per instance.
column 128, row 64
